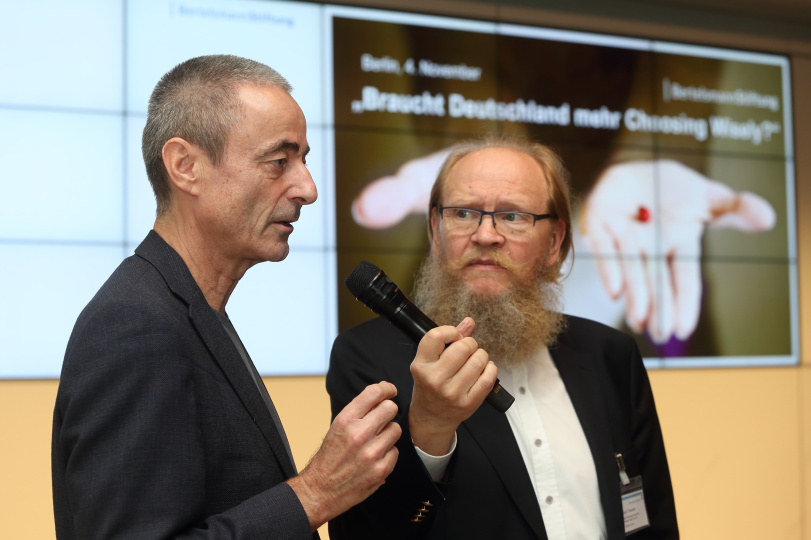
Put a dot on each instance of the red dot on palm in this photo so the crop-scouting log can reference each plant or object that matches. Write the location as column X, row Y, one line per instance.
column 643, row 215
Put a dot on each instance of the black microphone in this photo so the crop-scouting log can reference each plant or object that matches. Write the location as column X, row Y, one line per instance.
column 372, row 286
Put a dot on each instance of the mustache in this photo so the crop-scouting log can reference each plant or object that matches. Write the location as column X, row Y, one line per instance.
column 496, row 256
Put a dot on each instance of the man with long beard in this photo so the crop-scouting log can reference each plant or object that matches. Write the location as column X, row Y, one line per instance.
column 580, row 454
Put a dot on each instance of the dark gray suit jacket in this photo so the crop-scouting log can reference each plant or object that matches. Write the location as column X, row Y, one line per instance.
column 489, row 493
column 159, row 429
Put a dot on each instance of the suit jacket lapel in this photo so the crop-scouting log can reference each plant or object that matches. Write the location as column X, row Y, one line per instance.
column 585, row 385
column 229, row 359
column 492, row 431
column 176, row 273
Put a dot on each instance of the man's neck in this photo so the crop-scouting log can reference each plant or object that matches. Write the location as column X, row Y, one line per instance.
column 215, row 275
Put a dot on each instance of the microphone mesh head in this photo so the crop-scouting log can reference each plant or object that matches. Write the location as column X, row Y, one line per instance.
column 361, row 277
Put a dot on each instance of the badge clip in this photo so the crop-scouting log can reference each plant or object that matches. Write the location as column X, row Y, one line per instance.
column 623, row 473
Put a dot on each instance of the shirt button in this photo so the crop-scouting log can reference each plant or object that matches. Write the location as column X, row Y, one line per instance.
column 522, row 390
column 549, row 499
column 538, row 442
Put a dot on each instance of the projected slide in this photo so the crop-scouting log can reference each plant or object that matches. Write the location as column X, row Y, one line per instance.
column 680, row 156
column 679, row 159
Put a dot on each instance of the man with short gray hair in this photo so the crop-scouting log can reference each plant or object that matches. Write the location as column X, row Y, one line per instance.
column 162, row 425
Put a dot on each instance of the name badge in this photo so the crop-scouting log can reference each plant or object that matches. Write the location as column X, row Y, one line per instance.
column 633, row 499
column 633, row 505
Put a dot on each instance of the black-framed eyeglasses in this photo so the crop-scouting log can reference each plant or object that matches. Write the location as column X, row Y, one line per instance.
column 460, row 219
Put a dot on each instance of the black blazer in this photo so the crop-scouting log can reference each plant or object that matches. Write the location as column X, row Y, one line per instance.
column 159, row 429
column 489, row 493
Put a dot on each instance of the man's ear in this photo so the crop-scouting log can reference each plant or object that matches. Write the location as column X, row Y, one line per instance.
column 558, row 233
column 181, row 161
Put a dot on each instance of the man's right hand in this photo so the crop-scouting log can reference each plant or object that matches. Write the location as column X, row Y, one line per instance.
column 449, row 385
column 357, row 455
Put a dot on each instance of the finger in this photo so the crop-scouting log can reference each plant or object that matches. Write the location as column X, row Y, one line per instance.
column 382, row 204
column 382, row 448
column 660, row 321
column 388, row 200
column 380, row 441
column 466, row 327
column 389, row 435
column 388, row 462
column 744, row 211
column 367, row 400
column 638, row 274
column 687, row 302
column 382, row 454
column 637, row 292
column 433, row 343
column 748, row 213
column 470, row 372
column 604, row 247
column 446, row 369
column 380, row 416
column 484, row 384
column 391, row 457
column 376, row 440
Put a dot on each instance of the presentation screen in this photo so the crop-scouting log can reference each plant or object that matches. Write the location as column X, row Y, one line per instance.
column 681, row 160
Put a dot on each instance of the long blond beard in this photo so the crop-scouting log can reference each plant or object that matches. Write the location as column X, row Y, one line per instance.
column 510, row 326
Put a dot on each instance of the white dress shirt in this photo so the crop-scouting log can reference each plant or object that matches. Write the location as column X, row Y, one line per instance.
column 554, row 447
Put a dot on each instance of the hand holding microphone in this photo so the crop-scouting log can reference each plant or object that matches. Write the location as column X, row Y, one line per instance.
column 373, row 288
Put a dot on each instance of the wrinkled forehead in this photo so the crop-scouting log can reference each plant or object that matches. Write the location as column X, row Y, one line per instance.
column 496, row 175
column 273, row 101
column 267, row 109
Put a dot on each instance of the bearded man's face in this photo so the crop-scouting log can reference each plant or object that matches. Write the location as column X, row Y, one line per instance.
column 490, row 257
column 505, row 279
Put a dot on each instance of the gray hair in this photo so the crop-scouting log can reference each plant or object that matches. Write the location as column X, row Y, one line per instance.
column 198, row 101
